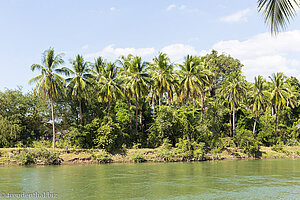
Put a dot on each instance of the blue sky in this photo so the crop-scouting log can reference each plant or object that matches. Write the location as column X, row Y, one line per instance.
column 112, row 28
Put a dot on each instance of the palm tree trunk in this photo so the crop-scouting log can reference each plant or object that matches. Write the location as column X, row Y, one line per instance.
column 80, row 110
column 153, row 103
column 53, row 125
column 129, row 113
column 160, row 99
column 194, row 109
column 108, row 107
column 233, row 119
column 255, row 122
column 202, row 105
column 276, row 112
column 141, row 115
column 136, row 114
column 230, row 124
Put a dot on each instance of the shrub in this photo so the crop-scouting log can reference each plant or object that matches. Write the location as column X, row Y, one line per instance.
column 278, row 147
column 138, row 158
column 107, row 134
column 246, row 140
column 189, row 149
column 104, row 157
column 38, row 156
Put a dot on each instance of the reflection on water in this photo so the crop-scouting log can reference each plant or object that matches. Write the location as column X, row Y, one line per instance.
column 250, row 179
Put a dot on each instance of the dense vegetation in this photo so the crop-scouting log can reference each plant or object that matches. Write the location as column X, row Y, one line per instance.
column 202, row 104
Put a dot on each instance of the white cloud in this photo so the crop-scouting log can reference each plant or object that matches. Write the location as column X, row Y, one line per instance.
column 112, row 53
column 180, row 7
column 112, row 9
column 85, row 47
column 170, row 7
column 240, row 16
column 177, row 52
column 264, row 54
column 261, row 54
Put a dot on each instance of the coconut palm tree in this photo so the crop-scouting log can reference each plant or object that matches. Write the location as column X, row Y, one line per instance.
column 109, row 88
column 193, row 79
column 293, row 94
column 78, row 84
column 49, row 84
column 233, row 90
column 163, row 77
column 98, row 68
column 279, row 93
column 260, row 96
column 136, row 79
column 125, row 62
column 277, row 13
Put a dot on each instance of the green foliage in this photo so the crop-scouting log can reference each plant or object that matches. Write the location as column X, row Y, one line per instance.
column 278, row 147
column 9, row 132
column 138, row 158
column 246, row 140
column 267, row 135
column 196, row 106
column 104, row 157
column 106, row 133
column 37, row 156
column 164, row 126
column 41, row 144
column 190, row 149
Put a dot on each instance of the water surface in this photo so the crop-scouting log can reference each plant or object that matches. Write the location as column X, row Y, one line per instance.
column 244, row 179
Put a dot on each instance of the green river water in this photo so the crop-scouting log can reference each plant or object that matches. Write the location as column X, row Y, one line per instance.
column 243, row 179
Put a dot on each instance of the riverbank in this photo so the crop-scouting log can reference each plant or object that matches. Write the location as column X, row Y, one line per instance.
column 27, row 156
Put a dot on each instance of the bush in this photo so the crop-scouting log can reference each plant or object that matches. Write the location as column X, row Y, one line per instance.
column 138, row 158
column 278, row 147
column 246, row 140
column 106, row 134
column 38, row 156
column 165, row 151
column 104, row 157
column 190, row 149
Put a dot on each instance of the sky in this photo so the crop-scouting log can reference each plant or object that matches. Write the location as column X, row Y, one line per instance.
column 112, row 28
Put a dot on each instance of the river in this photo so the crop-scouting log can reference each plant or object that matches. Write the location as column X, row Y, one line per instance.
column 239, row 179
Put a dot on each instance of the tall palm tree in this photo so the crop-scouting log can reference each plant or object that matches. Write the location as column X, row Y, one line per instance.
column 98, row 68
column 49, row 84
column 163, row 77
column 293, row 94
column 193, row 79
column 78, row 83
column 125, row 62
column 136, row 79
column 109, row 88
column 233, row 91
column 277, row 13
column 260, row 96
column 279, row 93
